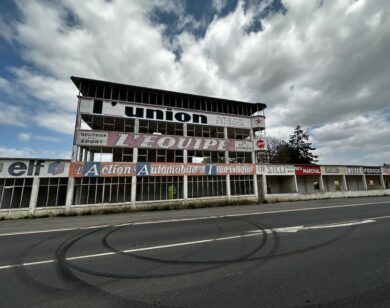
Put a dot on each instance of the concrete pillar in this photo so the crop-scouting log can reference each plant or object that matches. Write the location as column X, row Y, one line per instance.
column 345, row 186
column 85, row 155
column 261, row 188
column 34, row 195
column 76, row 155
column 185, row 158
column 322, row 188
column 69, row 194
column 135, row 160
column 364, row 182
column 382, row 180
column 228, row 191
column 296, row 184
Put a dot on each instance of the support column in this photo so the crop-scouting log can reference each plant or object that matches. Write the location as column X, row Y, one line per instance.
column 345, row 186
column 135, row 160
column 85, row 155
column 76, row 150
column 322, row 188
column 185, row 177
column 71, row 181
column 264, row 181
column 382, row 180
column 255, row 186
column 228, row 191
column 34, row 195
column 69, row 194
column 296, row 184
column 364, row 182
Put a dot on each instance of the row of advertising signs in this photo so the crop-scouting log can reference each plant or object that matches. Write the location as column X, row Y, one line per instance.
column 45, row 168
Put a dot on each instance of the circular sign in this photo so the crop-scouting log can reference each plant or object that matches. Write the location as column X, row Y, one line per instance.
column 260, row 144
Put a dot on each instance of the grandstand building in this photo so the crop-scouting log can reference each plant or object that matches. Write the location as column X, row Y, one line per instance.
column 140, row 147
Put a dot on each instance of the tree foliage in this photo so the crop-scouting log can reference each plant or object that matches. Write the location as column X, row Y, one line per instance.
column 302, row 149
column 297, row 150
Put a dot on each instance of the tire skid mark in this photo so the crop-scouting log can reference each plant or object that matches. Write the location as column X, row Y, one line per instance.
column 211, row 264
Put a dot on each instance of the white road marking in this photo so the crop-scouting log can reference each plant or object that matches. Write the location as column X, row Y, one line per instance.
column 149, row 222
column 338, row 225
column 257, row 232
column 52, row 230
column 326, row 226
column 131, row 250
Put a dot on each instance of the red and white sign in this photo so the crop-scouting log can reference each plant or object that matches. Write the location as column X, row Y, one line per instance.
column 259, row 144
column 386, row 170
column 132, row 140
column 307, row 170
column 258, row 121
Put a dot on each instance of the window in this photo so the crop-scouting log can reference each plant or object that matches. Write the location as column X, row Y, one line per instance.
column 241, row 185
column 159, row 188
column 206, row 186
column 52, row 192
column 15, row 193
column 102, row 190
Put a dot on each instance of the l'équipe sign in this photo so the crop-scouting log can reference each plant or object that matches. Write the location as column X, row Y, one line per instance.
column 154, row 113
column 33, row 168
column 307, row 170
column 132, row 140
column 108, row 169
column 386, row 170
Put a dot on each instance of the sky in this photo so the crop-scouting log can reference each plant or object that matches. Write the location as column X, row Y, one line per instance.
column 324, row 65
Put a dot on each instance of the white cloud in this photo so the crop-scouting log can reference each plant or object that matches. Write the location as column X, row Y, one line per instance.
column 15, row 152
column 363, row 139
column 218, row 5
column 27, row 152
column 12, row 115
column 24, row 137
column 58, row 94
column 57, row 121
column 47, row 138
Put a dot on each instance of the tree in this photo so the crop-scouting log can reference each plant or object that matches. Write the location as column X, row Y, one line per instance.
column 278, row 151
column 301, row 149
column 270, row 155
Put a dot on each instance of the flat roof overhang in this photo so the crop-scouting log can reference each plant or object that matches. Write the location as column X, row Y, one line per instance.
column 243, row 108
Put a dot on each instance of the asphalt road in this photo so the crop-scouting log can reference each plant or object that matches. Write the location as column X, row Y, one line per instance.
column 328, row 253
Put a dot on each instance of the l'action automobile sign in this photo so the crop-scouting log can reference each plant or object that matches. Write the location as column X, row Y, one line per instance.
column 108, row 169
